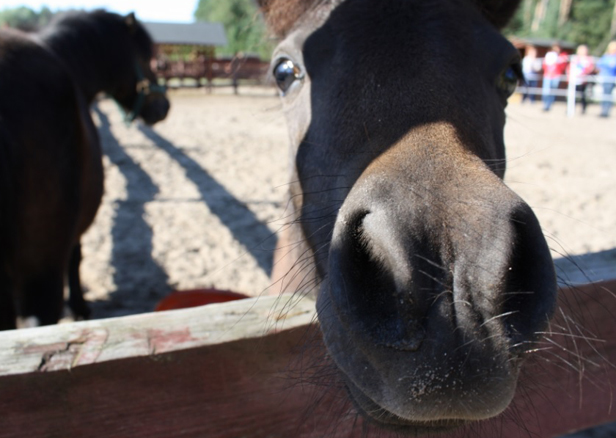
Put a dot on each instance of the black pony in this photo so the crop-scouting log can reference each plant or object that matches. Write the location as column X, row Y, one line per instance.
column 51, row 175
column 109, row 53
column 432, row 278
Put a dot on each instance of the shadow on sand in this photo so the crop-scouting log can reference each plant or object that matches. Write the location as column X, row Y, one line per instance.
column 131, row 258
column 244, row 225
column 139, row 280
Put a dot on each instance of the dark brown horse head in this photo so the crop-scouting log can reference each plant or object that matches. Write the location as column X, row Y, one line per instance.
column 141, row 95
column 434, row 277
column 109, row 53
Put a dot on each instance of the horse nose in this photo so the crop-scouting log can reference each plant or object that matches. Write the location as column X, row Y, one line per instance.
column 163, row 106
column 405, row 264
column 167, row 105
column 155, row 110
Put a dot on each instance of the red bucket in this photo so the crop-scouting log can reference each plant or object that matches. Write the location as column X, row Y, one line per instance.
column 182, row 299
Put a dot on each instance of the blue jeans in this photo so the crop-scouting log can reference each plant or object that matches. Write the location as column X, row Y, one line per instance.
column 530, row 83
column 548, row 96
column 606, row 104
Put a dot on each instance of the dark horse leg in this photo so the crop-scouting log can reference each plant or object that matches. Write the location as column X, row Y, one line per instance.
column 42, row 294
column 7, row 309
column 75, row 298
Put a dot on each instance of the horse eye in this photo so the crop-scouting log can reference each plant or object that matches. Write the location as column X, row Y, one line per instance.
column 286, row 72
column 508, row 80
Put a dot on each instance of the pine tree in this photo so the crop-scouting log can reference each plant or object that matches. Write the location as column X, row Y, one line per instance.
column 25, row 18
column 243, row 25
column 590, row 22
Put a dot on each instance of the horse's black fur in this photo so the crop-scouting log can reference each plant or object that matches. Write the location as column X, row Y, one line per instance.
column 433, row 277
column 51, row 176
column 95, row 46
column 103, row 50
column 43, row 137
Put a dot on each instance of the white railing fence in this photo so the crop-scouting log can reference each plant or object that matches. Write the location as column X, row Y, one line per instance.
column 593, row 91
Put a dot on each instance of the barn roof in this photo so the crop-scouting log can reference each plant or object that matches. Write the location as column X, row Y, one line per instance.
column 198, row 34
column 541, row 42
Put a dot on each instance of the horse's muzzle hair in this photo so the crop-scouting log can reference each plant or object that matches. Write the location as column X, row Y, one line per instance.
column 440, row 284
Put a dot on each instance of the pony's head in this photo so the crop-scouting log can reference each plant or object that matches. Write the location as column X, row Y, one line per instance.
column 434, row 277
column 141, row 95
column 109, row 53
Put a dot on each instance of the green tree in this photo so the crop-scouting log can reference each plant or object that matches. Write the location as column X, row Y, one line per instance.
column 588, row 22
column 25, row 18
column 244, row 25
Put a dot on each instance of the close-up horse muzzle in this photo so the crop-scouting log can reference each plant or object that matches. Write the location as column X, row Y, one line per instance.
column 441, row 287
column 376, row 414
column 435, row 277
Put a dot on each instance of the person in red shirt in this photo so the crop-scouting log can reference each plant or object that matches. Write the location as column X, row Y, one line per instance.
column 554, row 66
column 580, row 67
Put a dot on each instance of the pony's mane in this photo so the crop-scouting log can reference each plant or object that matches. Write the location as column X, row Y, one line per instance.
column 77, row 26
column 97, row 47
column 282, row 15
column 498, row 12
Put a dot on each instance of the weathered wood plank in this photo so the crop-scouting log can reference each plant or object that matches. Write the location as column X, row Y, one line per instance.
column 227, row 390
column 66, row 346
column 570, row 384
column 274, row 382
column 586, row 268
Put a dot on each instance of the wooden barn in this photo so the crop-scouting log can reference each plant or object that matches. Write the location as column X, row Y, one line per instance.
column 188, row 51
column 543, row 45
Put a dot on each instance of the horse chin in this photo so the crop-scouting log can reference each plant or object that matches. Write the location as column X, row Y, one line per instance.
column 380, row 416
column 414, row 419
column 155, row 111
column 152, row 118
column 438, row 385
column 151, row 121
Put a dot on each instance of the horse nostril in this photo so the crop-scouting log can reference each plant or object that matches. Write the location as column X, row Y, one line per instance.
column 391, row 279
column 162, row 108
column 371, row 285
column 530, row 292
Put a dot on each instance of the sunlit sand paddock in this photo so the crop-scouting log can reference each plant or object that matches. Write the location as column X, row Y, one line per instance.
column 196, row 200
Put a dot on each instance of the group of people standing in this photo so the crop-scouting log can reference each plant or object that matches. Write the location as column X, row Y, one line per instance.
column 556, row 63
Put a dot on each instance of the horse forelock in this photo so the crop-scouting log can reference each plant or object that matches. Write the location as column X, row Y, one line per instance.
column 99, row 22
column 143, row 42
column 282, row 16
column 498, row 12
column 98, row 47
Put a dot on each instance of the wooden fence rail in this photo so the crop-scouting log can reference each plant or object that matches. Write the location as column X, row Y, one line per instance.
column 206, row 68
column 257, row 368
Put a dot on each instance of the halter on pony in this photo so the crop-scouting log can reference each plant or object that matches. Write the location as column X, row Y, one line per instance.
column 144, row 87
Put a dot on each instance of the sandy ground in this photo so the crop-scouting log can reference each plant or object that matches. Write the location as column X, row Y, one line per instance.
column 196, row 201
column 192, row 203
column 565, row 169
